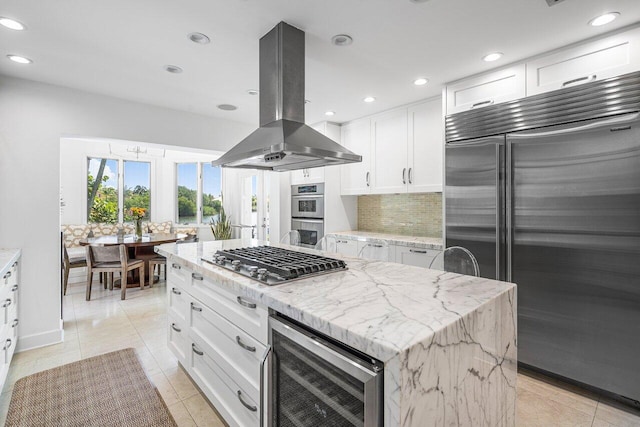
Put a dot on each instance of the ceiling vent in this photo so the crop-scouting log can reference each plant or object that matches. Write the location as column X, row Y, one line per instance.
column 553, row 2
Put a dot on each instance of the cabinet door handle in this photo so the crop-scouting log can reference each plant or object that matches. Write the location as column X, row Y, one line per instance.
column 14, row 264
column 197, row 276
column 194, row 308
column 14, row 288
column 482, row 104
column 176, row 291
column 244, row 303
column 404, row 175
column 410, row 176
column 175, row 328
column 418, row 251
column 15, row 323
column 176, row 266
column 7, row 344
column 7, row 275
column 245, row 404
column 243, row 345
column 585, row 79
column 195, row 350
column 367, row 178
column 7, row 303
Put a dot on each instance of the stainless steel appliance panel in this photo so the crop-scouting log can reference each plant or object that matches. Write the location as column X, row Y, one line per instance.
column 311, row 231
column 576, row 250
column 475, row 210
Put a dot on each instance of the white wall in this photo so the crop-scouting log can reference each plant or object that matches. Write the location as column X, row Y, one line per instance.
column 33, row 118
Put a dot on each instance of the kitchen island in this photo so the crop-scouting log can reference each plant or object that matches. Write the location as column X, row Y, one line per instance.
column 448, row 342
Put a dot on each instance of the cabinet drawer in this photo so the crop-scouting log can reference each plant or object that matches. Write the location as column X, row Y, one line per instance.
column 178, row 302
column 231, row 348
column 488, row 89
column 178, row 275
column 609, row 57
column 415, row 256
column 241, row 311
column 178, row 339
column 222, row 391
column 347, row 247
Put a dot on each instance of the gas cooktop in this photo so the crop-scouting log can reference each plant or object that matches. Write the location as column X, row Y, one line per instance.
column 272, row 265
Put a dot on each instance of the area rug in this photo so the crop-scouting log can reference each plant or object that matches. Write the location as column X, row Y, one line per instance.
column 107, row 390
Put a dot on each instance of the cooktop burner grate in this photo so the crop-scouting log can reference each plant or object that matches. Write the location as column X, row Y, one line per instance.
column 285, row 263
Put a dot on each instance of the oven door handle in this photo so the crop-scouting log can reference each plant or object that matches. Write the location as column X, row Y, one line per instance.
column 310, row 221
column 308, row 196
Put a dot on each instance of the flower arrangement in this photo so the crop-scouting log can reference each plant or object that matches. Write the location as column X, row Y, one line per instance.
column 138, row 213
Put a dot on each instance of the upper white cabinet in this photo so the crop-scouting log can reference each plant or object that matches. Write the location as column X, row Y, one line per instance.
column 356, row 177
column 315, row 175
column 390, row 152
column 598, row 60
column 487, row 89
column 425, row 148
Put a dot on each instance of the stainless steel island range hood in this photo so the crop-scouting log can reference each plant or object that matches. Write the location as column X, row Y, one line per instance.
column 283, row 142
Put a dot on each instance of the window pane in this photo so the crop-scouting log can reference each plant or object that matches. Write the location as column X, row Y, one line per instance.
column 211, row 192
column 102, row 190
column 187, row 192
column 137, row 186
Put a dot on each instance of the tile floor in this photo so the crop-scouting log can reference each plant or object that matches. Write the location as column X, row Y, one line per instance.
column 106, row 323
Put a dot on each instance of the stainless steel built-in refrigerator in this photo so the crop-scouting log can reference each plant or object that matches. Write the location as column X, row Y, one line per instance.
column 551, row 202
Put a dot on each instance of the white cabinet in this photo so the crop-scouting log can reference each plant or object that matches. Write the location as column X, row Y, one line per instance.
column 356, row 177
column 389, row 171
column 9, row 289
column 487, row 89
column 425, row 147
column 601, row 59
column 414, row 256
column 307, row 176
column 347, row 247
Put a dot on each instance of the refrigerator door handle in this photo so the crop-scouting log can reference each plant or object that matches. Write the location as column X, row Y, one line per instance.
column 509, row 210
column 499, row 148
column 569, row 130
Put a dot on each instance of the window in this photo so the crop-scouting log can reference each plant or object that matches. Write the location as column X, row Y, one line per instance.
column 102, row 190
column 137, row 185
column 199, row 192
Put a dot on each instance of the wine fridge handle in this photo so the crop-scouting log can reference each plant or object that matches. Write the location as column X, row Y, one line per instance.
column 265, row 357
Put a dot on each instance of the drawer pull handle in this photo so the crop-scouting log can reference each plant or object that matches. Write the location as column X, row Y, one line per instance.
column 244, row 303
column 176, row 291
column 245, row 404
column 15, row 323
column 481, row 104
column 586, row 79
column 196, row 351
column 7, row 275
column 417, row 251
column 7, row 303
column 14, row 264
column 410, row 176
column 7, row 344
column 176, row 266
column 194, row 308
column 243, row 345
column 367, row 179
column 197, row 276
column 404, row 175
column 175, row 328
column 14, row 288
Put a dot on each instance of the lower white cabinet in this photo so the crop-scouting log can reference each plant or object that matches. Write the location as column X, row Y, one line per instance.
column 415, row 256
column 220, row 338
column 347, row 247
column 9, row 288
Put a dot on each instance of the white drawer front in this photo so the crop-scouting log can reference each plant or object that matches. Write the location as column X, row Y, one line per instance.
column 347, row 247
column 178, row 274
column 241, row 311
column 415, row 256
column 222, row 391
column 178, row 302
column 178, row 339
column 231, row 348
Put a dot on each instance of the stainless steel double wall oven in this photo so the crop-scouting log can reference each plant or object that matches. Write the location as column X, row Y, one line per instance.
column 307, row 213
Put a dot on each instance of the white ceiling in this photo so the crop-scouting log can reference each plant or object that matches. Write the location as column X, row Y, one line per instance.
column 119, row 47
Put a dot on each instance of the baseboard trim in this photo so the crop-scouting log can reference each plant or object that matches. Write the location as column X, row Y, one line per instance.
column 29, row 342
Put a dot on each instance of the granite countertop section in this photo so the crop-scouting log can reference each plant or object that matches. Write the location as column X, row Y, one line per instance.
column 379, row 308
column 394, row 239
column 7, row 258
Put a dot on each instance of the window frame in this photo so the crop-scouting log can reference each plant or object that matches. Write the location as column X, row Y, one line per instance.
column 199, row 192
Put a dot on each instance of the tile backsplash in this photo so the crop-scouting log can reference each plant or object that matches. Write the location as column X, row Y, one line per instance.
column 417, row 214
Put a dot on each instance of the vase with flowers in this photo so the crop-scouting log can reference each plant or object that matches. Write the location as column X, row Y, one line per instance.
column 138, row 214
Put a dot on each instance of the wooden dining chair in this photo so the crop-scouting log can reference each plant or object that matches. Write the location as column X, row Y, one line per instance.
column 112, row 259
column 68, row 263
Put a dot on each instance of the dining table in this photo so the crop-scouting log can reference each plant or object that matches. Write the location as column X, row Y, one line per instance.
column 137, row 247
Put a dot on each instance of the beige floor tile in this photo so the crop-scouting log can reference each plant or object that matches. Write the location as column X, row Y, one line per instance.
column 181, row 415
column 563, row 394
column 617, row 415
column 535, row 410
column 165, row 388
column 5, row 399
column 165, row 358
column 202, row 413
column 181, row 383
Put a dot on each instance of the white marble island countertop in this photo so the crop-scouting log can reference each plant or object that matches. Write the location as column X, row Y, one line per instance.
column 394, row 239
column 447, row 340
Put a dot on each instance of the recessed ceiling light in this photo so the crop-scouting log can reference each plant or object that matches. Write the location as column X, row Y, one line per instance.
column 369, row 99
column 342, row 40
column 330, row 113
column 420, row 81
column 199, row 38
column 604, row 19
column 493, row 56
column 173, row 69
column 19, row 59
column 253, row 92
column 227, row 107
column 12, row 24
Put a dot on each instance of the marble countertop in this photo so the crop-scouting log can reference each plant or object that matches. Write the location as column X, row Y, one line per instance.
column 379, row 308
column 394, row 239
column 7, row 258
